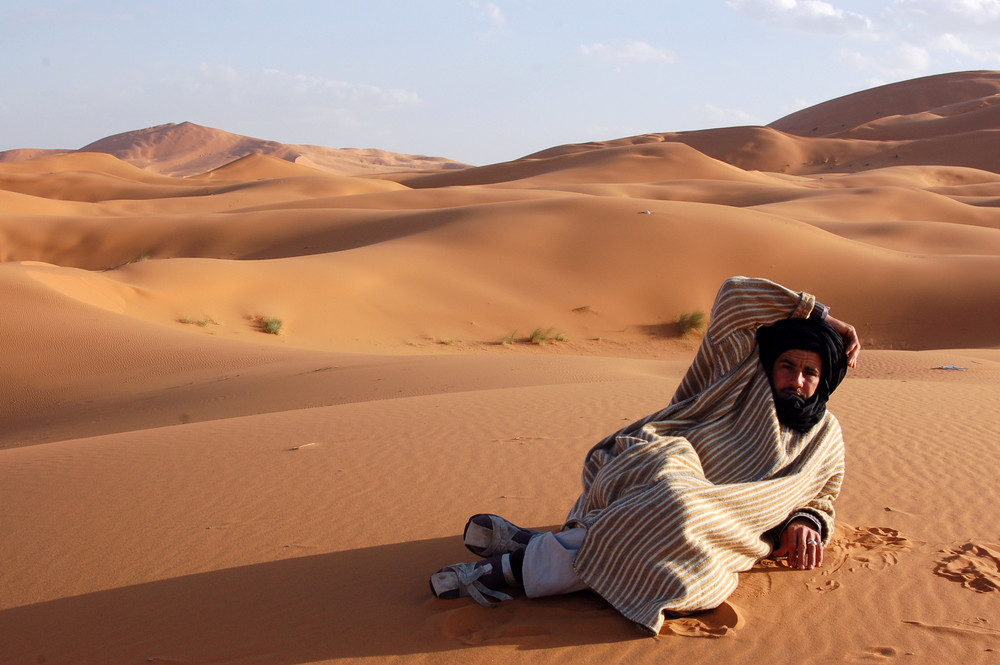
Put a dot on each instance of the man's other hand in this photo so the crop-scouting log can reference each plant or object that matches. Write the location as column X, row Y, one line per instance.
column 851, row 341
column 802, row 544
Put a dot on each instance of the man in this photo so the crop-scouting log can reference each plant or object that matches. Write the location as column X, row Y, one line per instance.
column 744, row 462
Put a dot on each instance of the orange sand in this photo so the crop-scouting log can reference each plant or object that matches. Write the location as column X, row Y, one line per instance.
column 180, row 487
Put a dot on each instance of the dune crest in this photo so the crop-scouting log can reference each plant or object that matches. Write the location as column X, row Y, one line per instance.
column 186, row 149
column 962, row 96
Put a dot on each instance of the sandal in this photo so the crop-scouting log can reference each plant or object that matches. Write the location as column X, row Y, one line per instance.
column 501, row 537
column 462, row 580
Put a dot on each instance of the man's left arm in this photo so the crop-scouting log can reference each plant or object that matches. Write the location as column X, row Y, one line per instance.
column 802, row 536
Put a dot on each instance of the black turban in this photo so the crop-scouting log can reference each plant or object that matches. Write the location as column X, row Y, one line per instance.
column 807, row 335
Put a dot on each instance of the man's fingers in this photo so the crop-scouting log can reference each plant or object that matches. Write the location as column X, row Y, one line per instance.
column 802, row 547
column 808, row 554
column 852, row 343
column 853, row 346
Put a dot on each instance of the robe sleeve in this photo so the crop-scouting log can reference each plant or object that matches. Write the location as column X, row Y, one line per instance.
column 742, row 305
column 820, row 509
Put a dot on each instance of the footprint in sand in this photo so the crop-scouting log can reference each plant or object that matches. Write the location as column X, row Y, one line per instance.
column 881, row 652
column 872, row 547
column 867, row 547
column 822, row 586
column 474, row 626
column 723, row 621
column 555, row 620
column 975, row 566
column 756, row 582
column 970, row 628
column 875, row 654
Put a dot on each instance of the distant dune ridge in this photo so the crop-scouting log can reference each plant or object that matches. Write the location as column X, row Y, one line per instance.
column 251, row 391
column 186, row 149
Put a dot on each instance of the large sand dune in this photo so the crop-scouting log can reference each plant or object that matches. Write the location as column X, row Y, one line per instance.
column 179, row 486
column 184, row 149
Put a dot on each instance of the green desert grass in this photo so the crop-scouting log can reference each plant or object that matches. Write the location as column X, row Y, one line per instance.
column 200, row 322
column 539, row 336
column 691, row 322
column 269, row 324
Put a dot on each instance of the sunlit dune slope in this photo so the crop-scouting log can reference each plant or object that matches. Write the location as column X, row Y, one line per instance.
column 602, row 245
column 966, row 101
column 188, row 149
column 251, row 392
column 633, row 231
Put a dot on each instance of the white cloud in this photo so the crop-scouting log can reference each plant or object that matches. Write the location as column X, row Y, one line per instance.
column 490, row 13
column 494, row 15
column 720, row 117
column 629, row 52
column 220, row 78
column 952, row 43
column 809, row 15
column 857, row 60
column 977, row 20
column 904, row 61
column 218, row 72
column 968, row 14
column 901, row 38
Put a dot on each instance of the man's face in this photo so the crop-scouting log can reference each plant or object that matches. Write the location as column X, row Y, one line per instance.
column 796, row 372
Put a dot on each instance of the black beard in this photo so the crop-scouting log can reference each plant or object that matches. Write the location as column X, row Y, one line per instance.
column 791, row 411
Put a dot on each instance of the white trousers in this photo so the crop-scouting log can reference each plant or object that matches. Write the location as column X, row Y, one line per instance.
column 548, row 563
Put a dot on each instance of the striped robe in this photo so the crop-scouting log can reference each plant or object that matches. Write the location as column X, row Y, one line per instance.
column 678, row 503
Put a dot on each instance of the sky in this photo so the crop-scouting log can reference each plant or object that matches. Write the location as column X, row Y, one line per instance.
column 472, row 80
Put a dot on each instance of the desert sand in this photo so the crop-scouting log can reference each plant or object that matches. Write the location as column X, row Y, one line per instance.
column 179, row 486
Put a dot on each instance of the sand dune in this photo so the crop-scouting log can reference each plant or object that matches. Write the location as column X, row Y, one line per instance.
column 947, row 95
column 180, row 486
column 189, row 149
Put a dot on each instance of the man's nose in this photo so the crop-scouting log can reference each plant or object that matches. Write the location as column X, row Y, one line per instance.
column 800, row 379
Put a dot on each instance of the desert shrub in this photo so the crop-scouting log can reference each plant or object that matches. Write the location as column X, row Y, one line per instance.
column 692, row 322
column 200, row 322
column 269, row 324
column 539, row 336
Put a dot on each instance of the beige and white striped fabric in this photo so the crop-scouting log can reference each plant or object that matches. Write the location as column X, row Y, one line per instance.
column 677, row 504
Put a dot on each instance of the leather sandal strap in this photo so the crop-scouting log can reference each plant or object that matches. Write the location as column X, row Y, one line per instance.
column 468, row 579
column 508, row 571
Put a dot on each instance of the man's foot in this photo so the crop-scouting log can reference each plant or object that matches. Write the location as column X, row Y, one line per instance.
column 486, row 535
column 478, row 580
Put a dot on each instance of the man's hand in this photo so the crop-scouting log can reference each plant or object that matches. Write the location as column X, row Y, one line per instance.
column 851, row 341
column 802, row 544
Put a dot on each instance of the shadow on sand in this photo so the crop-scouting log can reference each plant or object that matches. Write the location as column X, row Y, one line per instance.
column 359, row 603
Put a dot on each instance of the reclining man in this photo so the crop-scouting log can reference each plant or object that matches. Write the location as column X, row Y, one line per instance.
column 745, row 462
